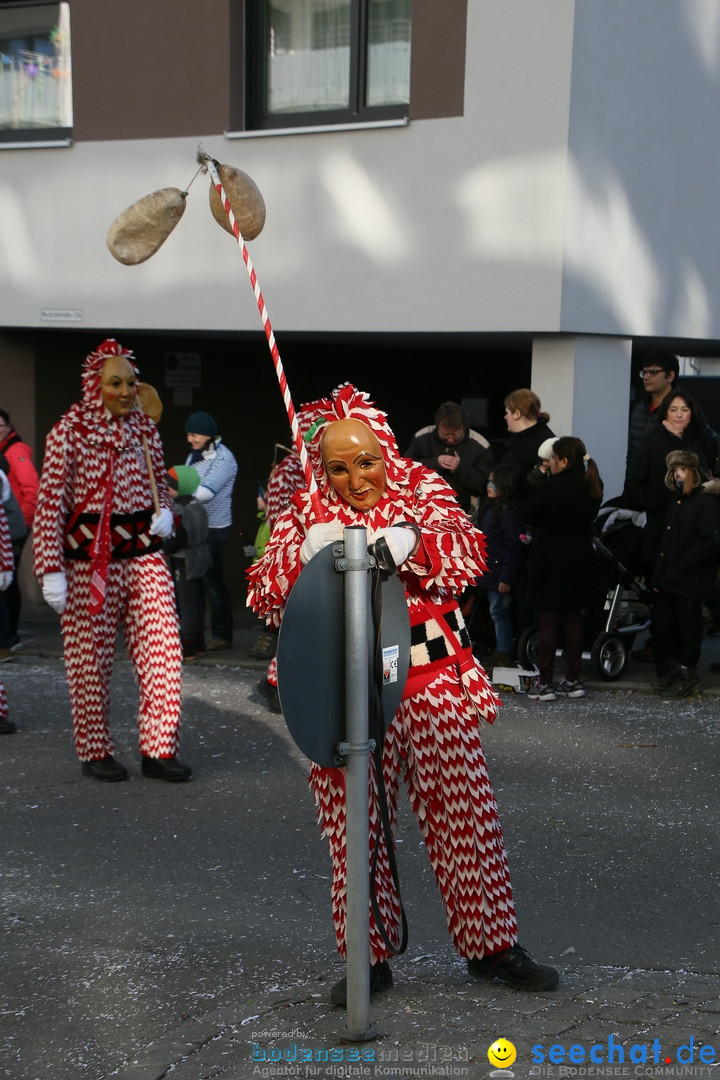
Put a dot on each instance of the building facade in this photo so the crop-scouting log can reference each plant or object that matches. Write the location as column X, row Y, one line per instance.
column 512, row 194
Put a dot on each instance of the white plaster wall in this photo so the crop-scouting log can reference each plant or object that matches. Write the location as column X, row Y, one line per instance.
column 644, row 169
column 445, row 225
column 577, row 194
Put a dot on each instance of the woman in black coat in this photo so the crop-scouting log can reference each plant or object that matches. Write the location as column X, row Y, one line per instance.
column 681, row 427
column 561, row 569
column 528, row 429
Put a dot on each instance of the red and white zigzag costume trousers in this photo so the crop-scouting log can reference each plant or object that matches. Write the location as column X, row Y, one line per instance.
column 434, row 742
column 140, row 598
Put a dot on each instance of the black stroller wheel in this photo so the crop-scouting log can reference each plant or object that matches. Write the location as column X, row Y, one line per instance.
column 527, row 647
column 609, row 656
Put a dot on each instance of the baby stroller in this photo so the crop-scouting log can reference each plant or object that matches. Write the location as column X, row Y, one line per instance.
column 623, row 608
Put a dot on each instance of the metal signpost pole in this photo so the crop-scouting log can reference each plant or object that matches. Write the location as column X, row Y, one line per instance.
column 356, row 751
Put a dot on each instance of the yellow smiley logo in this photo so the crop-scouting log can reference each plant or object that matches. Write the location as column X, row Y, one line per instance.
column 502, row 1054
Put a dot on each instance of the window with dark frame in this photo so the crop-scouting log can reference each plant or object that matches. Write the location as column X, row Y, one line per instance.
column 35, row 73
column 325, row 62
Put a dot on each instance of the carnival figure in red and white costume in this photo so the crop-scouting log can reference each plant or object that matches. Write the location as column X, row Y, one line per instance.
column 433, row 740
column 7, row 572
column 97, row 548
column 285, row 479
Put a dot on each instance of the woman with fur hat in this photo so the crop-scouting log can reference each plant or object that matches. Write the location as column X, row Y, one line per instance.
column 684, row 573
column 97, row 547
column 433, row 740
column 217, row 469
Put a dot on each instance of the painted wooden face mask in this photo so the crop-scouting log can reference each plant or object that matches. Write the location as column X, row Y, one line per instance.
column 354, row 463
column 118, row 385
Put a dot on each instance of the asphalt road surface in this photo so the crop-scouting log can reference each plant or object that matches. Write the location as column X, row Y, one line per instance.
column 132, row 909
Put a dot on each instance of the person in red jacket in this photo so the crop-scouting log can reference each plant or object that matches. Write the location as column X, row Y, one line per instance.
column 97, row 546
column 16, row 461
column 433, row 741
column 6, row 576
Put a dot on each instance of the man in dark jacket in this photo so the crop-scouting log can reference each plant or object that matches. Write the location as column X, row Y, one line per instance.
column 659, row 375
column 451, row 448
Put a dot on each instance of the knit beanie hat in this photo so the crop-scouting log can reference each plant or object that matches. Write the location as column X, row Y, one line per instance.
column 545, row 448
column 201, row 423
column 183, row 479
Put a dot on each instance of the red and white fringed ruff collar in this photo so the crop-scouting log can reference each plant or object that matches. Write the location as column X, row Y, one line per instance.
column 98, row 428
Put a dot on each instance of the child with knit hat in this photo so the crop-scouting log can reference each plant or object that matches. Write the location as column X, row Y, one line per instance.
column 217, row 469
column 188, row 557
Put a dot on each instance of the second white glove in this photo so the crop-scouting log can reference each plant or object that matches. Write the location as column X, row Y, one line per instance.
column 54, row 590
column 162, row 523
column 400, row 541
column 6, row 577
column 318, row 537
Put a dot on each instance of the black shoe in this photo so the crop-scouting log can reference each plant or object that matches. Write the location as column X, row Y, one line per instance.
column 380, row 979
column 269, row 694
column 666, row 679
column 516, row 968
column 685, row 684
column 166, row 768
column 7, row 727
column 265, row 646
column 106, row 768
column 193, row 649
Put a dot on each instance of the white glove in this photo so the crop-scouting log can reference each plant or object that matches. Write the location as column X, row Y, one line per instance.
column 162, row 523
column 318, row 537
column 6, row 577
column 400, row 541
column 54, row 590
column 204, row 494
column 250, row 550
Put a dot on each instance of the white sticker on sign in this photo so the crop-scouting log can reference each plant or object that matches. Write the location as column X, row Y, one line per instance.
column 390, row 663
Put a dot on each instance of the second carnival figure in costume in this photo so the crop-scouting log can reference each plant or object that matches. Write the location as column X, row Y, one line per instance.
column 433, row 741
column 97, row 548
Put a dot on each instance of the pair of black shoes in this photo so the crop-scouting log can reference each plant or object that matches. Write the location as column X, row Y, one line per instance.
column 109, row 769
column 513, row 966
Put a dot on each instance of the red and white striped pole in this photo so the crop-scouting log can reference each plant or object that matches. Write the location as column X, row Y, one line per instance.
column 272, row 344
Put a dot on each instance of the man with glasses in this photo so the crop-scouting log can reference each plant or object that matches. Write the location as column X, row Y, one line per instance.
column 659, row 375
